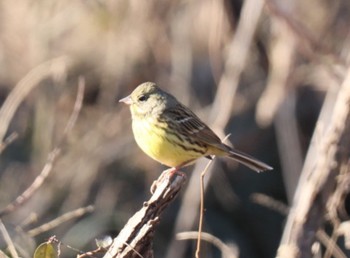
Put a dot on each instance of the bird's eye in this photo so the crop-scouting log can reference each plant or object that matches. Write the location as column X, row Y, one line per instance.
column 142, row 98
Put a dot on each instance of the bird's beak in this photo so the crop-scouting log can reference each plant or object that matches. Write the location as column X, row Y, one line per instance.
column 127, row 100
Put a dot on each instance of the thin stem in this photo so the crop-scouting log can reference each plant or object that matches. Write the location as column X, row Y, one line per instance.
column 201, row 209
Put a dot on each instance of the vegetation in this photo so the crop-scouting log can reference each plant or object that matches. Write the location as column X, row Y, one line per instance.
column 273, row 74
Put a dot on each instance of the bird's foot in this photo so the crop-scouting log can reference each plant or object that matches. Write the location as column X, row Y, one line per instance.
column 168, row 174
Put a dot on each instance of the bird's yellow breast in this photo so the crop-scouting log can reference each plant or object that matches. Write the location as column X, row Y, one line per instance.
column 159, row 144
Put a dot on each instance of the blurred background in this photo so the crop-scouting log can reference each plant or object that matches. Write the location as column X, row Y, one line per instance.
column 258, row 70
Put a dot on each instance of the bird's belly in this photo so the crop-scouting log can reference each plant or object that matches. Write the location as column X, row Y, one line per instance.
column 160, row 145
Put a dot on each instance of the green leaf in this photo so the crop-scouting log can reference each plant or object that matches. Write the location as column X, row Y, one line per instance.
column 45, row 250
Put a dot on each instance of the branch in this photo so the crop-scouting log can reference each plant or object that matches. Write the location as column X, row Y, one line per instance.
column 309, row 43
column 135, row 239
column 326, row 153
column 226, row 250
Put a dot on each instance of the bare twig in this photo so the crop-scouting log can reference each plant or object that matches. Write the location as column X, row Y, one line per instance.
column 326, row 241
column 288, row 142
column 8, row 240
column 92, row 253
column 77, row 107
column 335, row 205
column 269, row 202
column 201, row 208
column 61, row 219
column 8, row 141
column 34, row 186
column 226, row 250
column 39, row 180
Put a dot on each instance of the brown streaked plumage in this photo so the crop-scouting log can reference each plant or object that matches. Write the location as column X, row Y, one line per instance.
column 172, row 134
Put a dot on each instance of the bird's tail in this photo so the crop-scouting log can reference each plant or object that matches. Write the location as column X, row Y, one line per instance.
column 248, row 161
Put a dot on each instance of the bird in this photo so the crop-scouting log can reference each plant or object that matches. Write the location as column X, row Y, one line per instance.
column 170, row 133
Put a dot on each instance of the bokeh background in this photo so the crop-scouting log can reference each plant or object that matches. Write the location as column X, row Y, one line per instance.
column 257, row 70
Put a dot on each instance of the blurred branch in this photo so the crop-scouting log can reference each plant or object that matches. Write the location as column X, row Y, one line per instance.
column 93, row 253
column 288, row 34
column 318, row 177
column 282, row 43
column 336, row 204
column 283, row 209
column 226, row 250
column 344, row 229
column 270, row 203
column 2, row 254
column 288, row 142
column 238, row 52
column 135, row 239
column 8, row 140
column 8, row 240
column 307, row 40
column 61, row 219
column 219, row 31
column 336, row 252
column 181, row 53
column 39, row 180
column 54, row 68
column 77, row 107
column 277, row 103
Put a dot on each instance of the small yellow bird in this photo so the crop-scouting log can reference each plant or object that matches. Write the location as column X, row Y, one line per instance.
column 172, row 134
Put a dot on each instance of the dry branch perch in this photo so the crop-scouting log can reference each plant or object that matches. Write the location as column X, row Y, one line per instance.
column 328, row 150
column 135, row 239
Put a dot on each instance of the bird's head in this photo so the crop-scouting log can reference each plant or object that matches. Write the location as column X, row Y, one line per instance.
column 146, row 99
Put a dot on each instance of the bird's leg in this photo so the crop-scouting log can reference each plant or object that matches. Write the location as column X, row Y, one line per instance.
column 167, row 174
column 170, row 173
